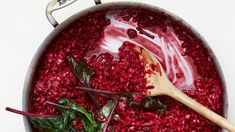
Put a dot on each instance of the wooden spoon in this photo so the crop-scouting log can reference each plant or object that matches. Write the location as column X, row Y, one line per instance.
column 162, row 86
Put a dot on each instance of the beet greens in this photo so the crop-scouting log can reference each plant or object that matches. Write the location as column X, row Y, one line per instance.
column 82, row 72
column 152, row 104
column 70, row 111
column 70, row 107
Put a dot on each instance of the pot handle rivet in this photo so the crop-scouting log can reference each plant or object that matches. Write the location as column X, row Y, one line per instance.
column 97, row 2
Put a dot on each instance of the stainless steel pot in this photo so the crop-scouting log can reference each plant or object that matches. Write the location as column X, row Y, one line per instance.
column 54, row 5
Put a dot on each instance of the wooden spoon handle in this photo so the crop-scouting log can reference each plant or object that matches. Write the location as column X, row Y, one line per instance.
column 202, row 110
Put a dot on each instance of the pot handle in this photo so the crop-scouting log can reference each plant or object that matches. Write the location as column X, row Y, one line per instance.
column 54, row 5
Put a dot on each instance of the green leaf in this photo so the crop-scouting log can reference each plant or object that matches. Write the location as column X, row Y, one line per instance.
column 62, row 123
column 52, row 124
column 106, row 110
column 152, row 104
column 81, row 70
column 87, row 116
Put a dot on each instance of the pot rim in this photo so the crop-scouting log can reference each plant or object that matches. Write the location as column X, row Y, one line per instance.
column 55, row 32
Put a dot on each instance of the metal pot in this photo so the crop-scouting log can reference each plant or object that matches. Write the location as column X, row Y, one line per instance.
column 58, row 4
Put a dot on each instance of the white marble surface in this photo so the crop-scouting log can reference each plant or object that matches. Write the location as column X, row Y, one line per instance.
column 23, row 26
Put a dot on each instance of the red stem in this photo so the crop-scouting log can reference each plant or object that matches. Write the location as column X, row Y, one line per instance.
column 27, row 113
column 106, row 93
column 97, row 91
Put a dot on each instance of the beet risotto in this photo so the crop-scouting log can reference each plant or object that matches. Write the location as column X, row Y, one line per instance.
column 90, row 78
